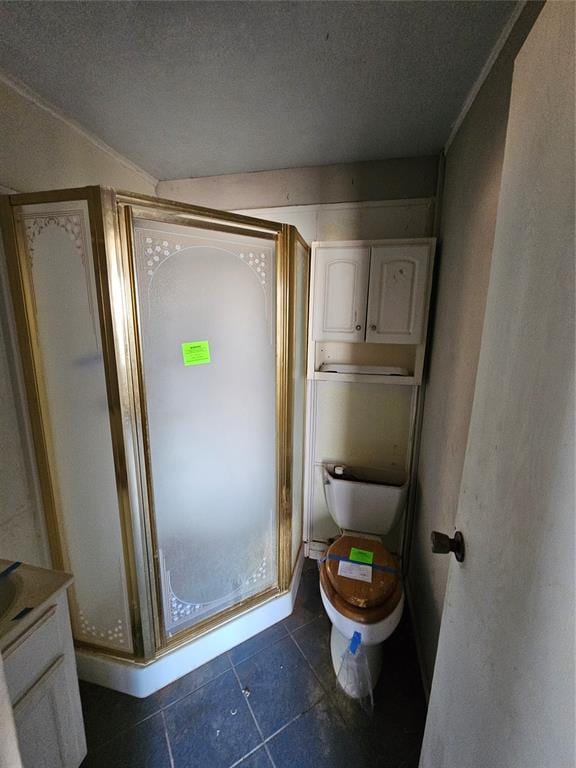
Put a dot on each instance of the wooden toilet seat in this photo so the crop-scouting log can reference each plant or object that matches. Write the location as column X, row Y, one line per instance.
column 364, row 602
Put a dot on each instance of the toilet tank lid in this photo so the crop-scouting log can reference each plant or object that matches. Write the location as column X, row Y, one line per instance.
column 371, row 475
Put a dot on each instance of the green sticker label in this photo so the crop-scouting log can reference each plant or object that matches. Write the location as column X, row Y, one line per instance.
column 195, row 352
column 361, row 555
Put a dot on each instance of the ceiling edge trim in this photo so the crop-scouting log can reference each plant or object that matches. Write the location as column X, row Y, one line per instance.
column 484, row 72
column 27, row 93
column 398, row 202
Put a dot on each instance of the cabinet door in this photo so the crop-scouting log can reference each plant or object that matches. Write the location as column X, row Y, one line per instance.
column 48, row 722
column 341, row 287
column 398, row 293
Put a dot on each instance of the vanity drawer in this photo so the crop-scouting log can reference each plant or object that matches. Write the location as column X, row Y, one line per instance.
column 33, row 651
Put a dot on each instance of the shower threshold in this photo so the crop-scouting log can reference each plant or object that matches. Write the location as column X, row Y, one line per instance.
column 142, row 679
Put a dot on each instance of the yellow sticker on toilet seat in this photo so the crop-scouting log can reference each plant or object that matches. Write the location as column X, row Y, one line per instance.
column 361, row 555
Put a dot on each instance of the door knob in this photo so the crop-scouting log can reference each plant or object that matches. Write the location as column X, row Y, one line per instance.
column 358, row 327
column 442, row 544
column 372, row 327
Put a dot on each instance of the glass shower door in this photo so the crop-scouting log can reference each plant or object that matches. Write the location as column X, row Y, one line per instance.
column 206, row 305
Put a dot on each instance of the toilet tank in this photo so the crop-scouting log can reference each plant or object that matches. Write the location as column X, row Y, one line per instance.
column 364, row 499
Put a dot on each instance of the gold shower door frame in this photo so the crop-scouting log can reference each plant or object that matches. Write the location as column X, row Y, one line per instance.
column 111, row 214
column 128, row 208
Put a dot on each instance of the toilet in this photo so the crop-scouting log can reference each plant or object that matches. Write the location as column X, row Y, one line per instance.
column 360, row 581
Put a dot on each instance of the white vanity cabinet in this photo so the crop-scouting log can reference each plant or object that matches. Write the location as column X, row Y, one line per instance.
column 374, row 292
column 40, row 670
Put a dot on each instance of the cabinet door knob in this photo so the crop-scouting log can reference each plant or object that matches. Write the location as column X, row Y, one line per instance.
column 372, row 327
column 443, row 544
column 358, row 327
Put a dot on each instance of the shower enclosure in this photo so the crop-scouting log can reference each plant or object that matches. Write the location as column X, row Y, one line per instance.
column 163, row 349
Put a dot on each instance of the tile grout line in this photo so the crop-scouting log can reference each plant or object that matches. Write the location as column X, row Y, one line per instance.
column 293, row 720
column 333, row 704
column 316, row 675
column 159, row 711
column 296, row 717
column 185, row 696
column 301, row 626
column 107, row 742
column 322, row 687
column 326, row 691
column 272, row 736
column 234, row 664
column 167, row 737
column 265, row 741
column 256, row 723
column 162, row 708
column 246, row 756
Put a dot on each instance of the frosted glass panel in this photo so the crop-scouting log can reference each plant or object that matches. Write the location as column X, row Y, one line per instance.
column 299, row 392
column 211, row 413
column 59, row 251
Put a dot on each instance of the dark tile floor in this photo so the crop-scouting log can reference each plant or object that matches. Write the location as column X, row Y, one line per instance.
column 272, row 701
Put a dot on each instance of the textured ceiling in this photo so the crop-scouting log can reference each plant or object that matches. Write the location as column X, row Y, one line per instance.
column 204, row 88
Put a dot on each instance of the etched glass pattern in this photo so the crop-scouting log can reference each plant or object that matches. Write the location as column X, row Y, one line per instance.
column 59, row 252
column 211, row 426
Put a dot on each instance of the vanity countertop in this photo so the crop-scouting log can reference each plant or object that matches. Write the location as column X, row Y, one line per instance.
column 23, row 592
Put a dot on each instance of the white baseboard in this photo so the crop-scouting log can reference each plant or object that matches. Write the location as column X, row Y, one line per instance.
column 141, row 680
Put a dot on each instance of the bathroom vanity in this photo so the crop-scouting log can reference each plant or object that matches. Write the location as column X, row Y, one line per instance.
column 40, row 667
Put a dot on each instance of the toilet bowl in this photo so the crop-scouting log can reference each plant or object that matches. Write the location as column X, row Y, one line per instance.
column 372, row 638
column 360, row 581
column 372, row 609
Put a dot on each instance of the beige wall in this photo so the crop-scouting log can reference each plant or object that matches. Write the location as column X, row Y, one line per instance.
column 355, row 221
column 471, row 191
column 395, row 179
column 38, row 150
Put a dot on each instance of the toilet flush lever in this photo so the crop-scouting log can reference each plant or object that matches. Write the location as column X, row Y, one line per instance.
column 442, row 544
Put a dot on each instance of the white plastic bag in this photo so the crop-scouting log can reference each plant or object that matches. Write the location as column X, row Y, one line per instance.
column 354, row 674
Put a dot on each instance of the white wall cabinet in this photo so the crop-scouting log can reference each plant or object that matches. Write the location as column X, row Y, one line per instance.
column 375, row 293
column 341, row 292
column 369, row 310
column 397, row 293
